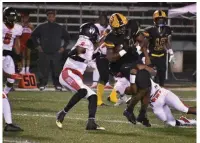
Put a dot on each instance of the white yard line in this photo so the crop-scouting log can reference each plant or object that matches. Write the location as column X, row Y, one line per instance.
column 53, row 89
column 81, row 119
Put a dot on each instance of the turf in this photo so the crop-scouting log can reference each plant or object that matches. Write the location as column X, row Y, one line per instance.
column 35, row 112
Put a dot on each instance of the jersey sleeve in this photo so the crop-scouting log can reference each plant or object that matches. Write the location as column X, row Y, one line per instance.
column 19, row 30
column 84, row 43
column 108, row 41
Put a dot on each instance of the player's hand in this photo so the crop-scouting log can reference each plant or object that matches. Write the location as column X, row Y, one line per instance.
column 61, row 50
column 172, row 58
column 16, row 76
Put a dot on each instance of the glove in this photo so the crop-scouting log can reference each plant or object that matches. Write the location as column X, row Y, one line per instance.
column 171, row 57
column 16, row 76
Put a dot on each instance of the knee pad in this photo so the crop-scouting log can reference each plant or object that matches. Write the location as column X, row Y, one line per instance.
column 143, row 79
column 83, row 92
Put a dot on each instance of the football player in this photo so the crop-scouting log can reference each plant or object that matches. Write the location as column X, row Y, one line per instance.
column 160, row 101
column 71, row 76
column 158, row 38
column 123, row 56
column 11, row 38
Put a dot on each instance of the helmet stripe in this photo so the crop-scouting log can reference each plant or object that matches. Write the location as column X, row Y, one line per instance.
column 119, row 19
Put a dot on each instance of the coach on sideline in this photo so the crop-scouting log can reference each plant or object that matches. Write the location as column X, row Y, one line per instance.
column 47, row 37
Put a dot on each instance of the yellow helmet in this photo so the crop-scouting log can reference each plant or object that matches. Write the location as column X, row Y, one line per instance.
column 117, row 20
column 157, row 15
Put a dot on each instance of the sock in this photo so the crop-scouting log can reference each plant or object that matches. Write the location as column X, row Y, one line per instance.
column 96, row 75
column 7, row 111
column 178, row 123
column 107, row 84
column 100, row 91
column 113, row 96
column 6, row 89
column 27, row 69
column 92, row 107
column 75, row 99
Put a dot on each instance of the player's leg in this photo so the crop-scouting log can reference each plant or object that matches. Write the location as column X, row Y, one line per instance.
column 161, row 63
column 140, row 84
column 8, row 67
column 7, row 116
column 120, row 86
column 92, row 108
column 74, row 82
column 160, row 113
column 23, row 71
column 172, row 100
column 170, row 118
column 28, row 56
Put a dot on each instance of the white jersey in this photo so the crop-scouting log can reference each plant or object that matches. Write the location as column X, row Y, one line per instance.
column 101, row 31
column 154, row 88
column 9, row 36
column 81, row 66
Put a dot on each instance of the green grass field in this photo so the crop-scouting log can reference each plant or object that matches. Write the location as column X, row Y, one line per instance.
column 35, row 112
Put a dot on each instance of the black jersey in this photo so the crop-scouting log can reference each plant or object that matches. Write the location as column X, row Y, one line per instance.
column 157, row 40
column 116, row 41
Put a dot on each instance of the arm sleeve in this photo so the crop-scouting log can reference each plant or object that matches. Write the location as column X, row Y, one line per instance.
column 35, row 35
column 66, row 37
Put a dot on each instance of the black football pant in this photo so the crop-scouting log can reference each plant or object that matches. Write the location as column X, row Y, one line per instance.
column 103, row 68
column 160, row 64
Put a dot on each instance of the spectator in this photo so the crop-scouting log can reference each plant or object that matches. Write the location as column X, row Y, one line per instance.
column 48, row 39
column 27, row 30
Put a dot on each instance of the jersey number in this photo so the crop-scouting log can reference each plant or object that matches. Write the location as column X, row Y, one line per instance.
column 7, row 38
column 160, row 43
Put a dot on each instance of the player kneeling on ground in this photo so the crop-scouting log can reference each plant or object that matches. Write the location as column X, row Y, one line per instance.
column 72, row 73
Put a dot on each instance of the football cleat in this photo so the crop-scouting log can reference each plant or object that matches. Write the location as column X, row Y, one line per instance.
column 42, row 88
column 12, row 128
column 121, row 100
column 91, row 125
column 186, row 122
column 144, row 121
column 59, row 118
column 130, row 116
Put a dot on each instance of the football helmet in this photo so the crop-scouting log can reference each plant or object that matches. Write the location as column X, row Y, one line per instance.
column 117, row 22
column 159, row 18
column 90, row 31
column 9, row 16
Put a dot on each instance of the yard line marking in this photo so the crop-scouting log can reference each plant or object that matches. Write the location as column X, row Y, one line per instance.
column 18, row 141
column 107, row 90
column 81, row 119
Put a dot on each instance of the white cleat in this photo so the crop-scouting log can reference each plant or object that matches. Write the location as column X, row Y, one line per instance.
column 59, row 124
column 121, row 100
column 187, row 122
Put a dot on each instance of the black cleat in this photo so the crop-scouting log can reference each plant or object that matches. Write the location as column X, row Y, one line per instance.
column 91, row 125
column 144, row 121
column 12, row 128
column 130, row 116
column 59, row 118
column 108, row 98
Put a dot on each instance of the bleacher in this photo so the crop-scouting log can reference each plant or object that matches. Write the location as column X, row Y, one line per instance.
column 72, row 15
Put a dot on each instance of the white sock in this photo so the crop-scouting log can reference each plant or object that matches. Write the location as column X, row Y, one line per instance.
column 107, row 84
column 7, row 111
column 6, row 89
column 23, row 68
column 27, row 69
column 95, row 75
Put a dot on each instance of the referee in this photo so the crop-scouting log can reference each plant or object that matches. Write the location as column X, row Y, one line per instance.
column 48, row 38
